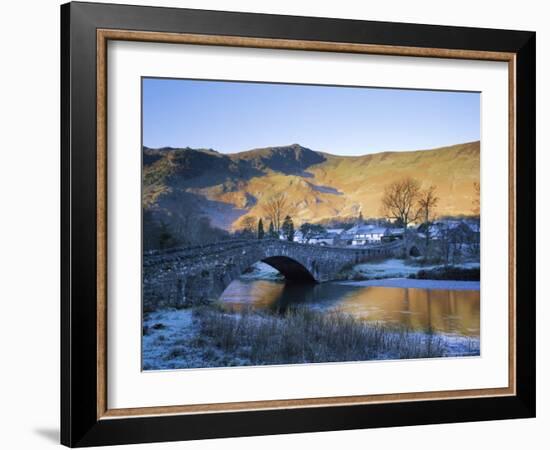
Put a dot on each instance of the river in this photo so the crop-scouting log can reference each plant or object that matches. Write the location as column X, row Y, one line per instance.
column 443, row 307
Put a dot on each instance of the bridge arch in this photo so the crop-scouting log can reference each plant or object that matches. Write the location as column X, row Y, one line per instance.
column 290, row 268
column 298, row 278
column 293, row 268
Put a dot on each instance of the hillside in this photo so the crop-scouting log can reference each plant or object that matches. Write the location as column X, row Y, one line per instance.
column 318, row 185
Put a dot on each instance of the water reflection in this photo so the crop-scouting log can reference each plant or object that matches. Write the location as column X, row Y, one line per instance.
column 448, row 311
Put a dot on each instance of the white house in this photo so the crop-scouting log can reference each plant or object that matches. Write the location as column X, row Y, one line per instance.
column 366, row 234
column 323, row 239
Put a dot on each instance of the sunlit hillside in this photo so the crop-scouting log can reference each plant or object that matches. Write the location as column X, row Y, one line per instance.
column 317, row 185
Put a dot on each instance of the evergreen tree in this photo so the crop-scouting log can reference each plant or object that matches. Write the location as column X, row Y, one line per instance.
column 272, row 233
column 261, row 232
column 166, row 239
column 288, row 229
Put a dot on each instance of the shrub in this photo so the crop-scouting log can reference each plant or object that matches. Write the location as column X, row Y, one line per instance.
column 448, row 273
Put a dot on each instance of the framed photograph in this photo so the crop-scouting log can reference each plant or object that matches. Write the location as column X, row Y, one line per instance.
column 276, row 224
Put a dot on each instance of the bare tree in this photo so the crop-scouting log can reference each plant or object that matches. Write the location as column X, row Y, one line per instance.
column 445, row 242
column 400, row 201
column 275, row 209
column 476, row 200
column 247, row 227
column 182, row 217
column 427, row 203
column 474, row 247
column 248, row 223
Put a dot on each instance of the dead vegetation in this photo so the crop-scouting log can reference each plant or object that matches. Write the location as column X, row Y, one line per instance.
column 305, row 336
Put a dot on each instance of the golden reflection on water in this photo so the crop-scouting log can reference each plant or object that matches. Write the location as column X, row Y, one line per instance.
column 260, row 294
column 448, row 311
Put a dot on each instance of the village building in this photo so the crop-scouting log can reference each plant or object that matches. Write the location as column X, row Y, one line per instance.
column 324, row 239
column 299, row 237
column 465, row 230
column 367, row 234
column 392, row 234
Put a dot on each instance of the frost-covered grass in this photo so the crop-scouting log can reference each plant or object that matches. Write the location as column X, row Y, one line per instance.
column 212, row 337
column 308, row 336
column 389, row 268
column 397, row 268
column 167, row 338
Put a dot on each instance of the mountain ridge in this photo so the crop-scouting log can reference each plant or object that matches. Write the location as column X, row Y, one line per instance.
column 319, row 185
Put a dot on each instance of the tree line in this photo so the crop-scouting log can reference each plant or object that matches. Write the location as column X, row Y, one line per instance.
column 405, row 202
column 178, row 222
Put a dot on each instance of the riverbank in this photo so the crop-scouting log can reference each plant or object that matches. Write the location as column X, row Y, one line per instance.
column 212, row 337
column 401, row 268
column 385, row 269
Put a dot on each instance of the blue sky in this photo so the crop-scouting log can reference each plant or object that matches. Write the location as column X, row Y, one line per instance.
column 237, row 116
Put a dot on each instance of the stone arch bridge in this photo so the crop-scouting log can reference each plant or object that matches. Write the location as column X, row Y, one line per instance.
column 195, row 275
